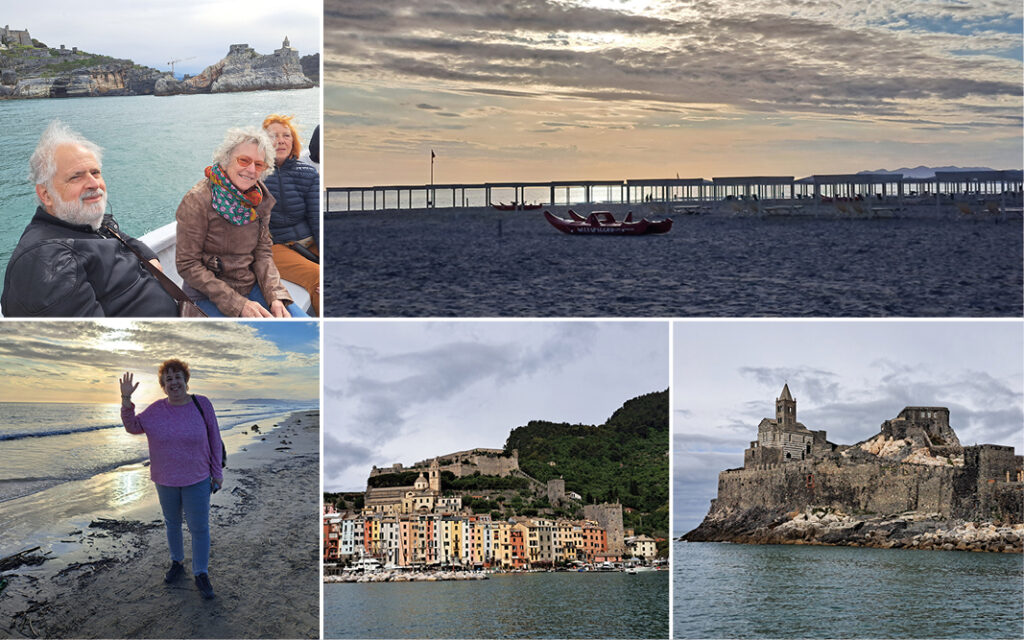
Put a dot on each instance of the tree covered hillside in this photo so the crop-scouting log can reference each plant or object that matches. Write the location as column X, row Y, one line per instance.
column 624, row 460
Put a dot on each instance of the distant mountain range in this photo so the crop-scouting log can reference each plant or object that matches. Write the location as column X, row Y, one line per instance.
column 925, row 172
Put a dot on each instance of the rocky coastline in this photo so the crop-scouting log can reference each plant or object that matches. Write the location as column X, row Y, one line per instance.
column 38, row 72
column 832, row 527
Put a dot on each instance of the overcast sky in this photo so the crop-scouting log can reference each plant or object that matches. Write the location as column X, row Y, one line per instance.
column 408, row 391
column 152, row 33
column 618, row 89
column 847, row 378
column 81, row 361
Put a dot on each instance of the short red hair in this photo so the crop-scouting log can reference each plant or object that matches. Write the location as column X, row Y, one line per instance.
column 286, row 121
column 171, row 366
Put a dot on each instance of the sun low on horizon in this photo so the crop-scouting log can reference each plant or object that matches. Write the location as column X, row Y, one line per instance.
column 605, row 90
column 81, row 362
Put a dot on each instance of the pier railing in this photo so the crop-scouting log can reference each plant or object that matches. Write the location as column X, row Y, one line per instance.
column 864, row 193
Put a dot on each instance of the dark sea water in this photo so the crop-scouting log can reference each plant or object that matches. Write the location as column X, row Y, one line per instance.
column 783, row 591
column 516, row 264
column 537, row 605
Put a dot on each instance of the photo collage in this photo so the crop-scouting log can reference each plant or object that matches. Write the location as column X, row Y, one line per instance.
column 638, row 319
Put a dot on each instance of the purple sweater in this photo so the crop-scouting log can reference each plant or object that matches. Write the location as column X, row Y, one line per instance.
column 182, row 448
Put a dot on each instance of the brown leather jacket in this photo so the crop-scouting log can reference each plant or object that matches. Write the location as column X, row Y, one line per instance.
column 223, row 261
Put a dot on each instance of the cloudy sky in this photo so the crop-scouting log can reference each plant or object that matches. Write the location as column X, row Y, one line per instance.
column 150, row 33
column 81, row 361
column 406, row 391
column 847, row 378
column 618, row 89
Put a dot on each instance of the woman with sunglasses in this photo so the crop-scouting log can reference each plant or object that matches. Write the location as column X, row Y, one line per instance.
column 224, row 250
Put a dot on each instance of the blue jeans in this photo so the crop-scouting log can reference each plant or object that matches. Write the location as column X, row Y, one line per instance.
column 194, row 500
column 256, row 296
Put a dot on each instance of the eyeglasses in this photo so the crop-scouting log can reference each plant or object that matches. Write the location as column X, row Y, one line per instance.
column 245, row 161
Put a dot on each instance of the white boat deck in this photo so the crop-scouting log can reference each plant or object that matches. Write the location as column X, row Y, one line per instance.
column 163, row 240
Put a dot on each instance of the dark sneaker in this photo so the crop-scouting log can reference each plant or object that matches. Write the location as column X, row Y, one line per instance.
column 175, row 572
column 203, row 583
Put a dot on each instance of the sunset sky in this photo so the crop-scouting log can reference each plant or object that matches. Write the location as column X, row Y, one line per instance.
column 847, row 378
column 81, row 361
column 617, row 89
column 406, row 391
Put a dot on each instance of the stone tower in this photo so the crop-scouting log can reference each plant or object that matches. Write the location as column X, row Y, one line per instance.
column 556, row 491
column 435, row 476
column 785, row 408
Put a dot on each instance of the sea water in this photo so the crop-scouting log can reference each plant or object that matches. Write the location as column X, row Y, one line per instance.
column 452, row 263
column 786, row 591
column 155, row 148
column 526, row 605
column 56, row 454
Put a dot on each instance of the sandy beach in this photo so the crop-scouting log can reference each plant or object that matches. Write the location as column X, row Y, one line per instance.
column 105, row 580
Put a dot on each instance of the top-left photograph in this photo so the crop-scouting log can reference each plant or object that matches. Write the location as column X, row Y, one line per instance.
column 163, row 162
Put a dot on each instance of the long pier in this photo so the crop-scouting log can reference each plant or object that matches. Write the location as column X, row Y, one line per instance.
column 812, row 190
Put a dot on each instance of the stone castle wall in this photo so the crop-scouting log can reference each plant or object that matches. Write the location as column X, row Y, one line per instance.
column 976, row 491
column 876, row 488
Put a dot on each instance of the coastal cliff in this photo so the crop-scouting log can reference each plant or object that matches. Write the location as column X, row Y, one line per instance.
column 912, row 485
column 30, row 69
column 243, row 70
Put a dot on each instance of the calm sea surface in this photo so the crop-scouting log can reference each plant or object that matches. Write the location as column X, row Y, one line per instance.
column 43, row 444
column 155, row 149
column 783, row 591
column 537, row 605
column 516, row 264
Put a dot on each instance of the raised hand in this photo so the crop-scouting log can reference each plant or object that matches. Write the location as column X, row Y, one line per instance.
column 128, row 386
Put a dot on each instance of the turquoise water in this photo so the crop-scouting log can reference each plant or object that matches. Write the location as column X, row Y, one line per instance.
column 782, row 591
column 155, row 149
column 535, row 605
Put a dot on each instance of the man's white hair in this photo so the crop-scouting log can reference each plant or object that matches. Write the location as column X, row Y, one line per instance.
column 243, row 135
column 43, row 164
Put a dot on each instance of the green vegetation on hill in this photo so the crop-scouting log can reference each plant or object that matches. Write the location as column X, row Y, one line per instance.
column 625, row 460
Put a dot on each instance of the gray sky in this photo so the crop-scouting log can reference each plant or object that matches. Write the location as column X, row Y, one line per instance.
column 153, row 33
column 406, row 391
column 847, row 377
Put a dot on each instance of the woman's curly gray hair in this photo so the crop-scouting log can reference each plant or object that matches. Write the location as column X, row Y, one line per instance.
column 243, row 135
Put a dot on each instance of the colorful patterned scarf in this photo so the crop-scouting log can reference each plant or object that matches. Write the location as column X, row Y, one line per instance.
column 233, row 205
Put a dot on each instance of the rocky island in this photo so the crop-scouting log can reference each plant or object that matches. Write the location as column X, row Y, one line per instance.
column 30, row 69
column 911, row 485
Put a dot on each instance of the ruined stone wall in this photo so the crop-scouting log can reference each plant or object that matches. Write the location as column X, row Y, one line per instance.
column 874, row 488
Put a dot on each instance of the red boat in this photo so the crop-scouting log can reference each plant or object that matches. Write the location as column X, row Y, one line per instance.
column 603, row 222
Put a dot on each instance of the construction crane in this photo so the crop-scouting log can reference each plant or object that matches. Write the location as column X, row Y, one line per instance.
column 173, row 62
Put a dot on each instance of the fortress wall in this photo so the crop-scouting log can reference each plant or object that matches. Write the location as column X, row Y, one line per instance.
column 864, row 487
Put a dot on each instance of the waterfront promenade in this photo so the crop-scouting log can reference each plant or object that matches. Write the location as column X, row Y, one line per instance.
column 964, row 192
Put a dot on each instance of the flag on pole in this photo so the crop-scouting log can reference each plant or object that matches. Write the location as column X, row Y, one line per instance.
column 432, row 155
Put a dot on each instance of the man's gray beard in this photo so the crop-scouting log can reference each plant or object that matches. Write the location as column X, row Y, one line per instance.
column 77, row 212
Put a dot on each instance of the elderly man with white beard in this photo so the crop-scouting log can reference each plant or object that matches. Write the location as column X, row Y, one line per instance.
column 68, row 261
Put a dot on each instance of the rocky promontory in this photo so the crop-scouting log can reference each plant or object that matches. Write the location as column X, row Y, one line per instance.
column 827, row 526
column 243, row 70
column 911, row 485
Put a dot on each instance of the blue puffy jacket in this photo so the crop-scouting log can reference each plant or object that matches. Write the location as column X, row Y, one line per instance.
column 296, row 187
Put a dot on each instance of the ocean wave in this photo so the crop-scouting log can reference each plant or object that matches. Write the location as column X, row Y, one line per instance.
column 60, row 431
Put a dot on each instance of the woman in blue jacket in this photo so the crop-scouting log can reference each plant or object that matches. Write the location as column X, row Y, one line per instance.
column 295, row 218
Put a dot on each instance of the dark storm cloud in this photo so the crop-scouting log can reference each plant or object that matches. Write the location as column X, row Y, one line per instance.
column 754, row 60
